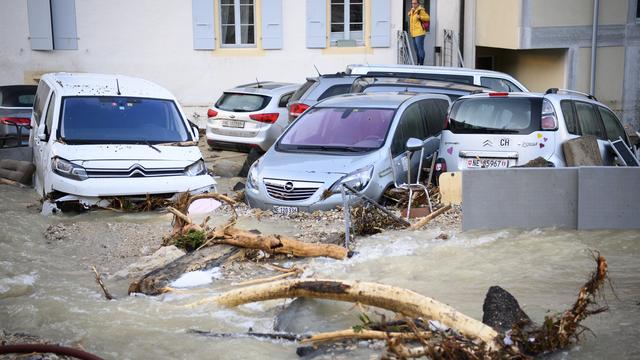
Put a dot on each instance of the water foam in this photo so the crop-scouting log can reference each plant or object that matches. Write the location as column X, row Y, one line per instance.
column 197, row 278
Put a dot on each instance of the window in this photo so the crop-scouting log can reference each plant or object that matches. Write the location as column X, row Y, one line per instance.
column 611, row 125
column 335, row 90
column 237, row 23
column 569, row 116
column 347, row 22
column 242, row 102
column 638, row 11
column 41, row 98
column 435, row 111
column 48, row 122
column 496, row 115
column 499, row 84
column 588, row 120
column 284, row 100
column 412, row 125
column 52, row 24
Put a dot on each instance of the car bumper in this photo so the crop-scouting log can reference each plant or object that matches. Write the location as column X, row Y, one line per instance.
column 263, row 139
column 110, row 187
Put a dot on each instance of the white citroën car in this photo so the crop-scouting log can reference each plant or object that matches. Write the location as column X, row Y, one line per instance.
column 98, row 136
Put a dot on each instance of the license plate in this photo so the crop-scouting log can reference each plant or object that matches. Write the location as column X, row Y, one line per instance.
column 233, row 124
column 285, row 210
column 487, row 163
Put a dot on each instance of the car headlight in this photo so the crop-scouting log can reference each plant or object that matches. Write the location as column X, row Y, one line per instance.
column 195, row 169
column 252, row 178
column 67, row 169
column 358, row 179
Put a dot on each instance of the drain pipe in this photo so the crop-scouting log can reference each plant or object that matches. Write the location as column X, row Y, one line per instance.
column 594, row 44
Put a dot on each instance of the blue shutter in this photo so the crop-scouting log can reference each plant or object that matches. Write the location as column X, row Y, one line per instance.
column 63, row 19
column 204, row 37
column 39, row 13
column 272, row 24
column 316, row 24
column 380, row 23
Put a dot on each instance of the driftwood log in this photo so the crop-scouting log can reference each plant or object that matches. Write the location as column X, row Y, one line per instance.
column 156, row 281
column 392, row 298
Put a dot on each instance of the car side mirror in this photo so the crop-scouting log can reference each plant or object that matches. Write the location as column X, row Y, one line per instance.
column 195, row 129
column 414, row 144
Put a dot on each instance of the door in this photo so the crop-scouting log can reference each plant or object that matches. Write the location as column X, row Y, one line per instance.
column 412, row 125
column 42, row 148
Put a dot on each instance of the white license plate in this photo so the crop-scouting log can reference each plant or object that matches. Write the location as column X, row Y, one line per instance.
column 285, row 210
column 233, row 124
column 487, row 163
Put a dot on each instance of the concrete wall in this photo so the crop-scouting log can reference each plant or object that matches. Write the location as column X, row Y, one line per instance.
column 577, row 12
column 610, row 70
column 152, row 39
column 576, row 198
column 538, row 69
column 498, row 23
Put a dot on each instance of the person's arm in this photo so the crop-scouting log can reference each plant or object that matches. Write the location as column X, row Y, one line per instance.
column 423, row 15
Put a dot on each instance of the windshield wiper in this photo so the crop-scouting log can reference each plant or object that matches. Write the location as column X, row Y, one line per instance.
column 146, row 142
column 332, row 148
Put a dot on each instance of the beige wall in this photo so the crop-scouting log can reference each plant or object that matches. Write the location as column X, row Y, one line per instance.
column 498, row 23
column 538, row 70
column 577, row 12
column 609, row 74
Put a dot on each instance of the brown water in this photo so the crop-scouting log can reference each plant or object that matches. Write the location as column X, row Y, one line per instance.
column 46, row 289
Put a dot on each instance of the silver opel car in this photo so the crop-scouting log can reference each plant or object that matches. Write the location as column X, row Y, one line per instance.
column 350, row 139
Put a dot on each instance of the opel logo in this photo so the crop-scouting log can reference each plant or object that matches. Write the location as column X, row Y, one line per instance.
column 288, row 187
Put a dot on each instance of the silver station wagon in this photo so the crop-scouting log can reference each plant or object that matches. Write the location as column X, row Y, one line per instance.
column 349, row 139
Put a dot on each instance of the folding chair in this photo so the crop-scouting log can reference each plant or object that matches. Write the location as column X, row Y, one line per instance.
column 403, row 164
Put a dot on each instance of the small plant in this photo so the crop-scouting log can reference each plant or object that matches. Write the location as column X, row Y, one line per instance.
column 191, row 240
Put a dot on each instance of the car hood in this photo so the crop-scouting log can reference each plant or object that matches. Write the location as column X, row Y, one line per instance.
column 86, row 155
column 312, row 166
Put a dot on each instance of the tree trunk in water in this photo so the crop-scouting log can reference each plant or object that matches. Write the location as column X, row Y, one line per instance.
column 395, row 299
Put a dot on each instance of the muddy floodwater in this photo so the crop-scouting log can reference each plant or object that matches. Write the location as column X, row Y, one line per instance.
column 48, row 290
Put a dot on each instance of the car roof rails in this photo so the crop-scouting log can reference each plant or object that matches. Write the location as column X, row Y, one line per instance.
column 567, row 91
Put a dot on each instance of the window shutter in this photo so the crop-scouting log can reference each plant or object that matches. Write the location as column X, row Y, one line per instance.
column 316, row 24
column 39, row 13
column 272, row 24
column 63, row 18
column 380, row 23
column 203, row 32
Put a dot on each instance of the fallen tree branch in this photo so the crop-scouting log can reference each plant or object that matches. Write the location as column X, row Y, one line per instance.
column 277, row 244
column 107, row 295
column 425, row 220
column 392, row 298
column 361, row 335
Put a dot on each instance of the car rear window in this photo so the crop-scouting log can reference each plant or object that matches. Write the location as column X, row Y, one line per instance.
column 105, row 119
column 335, row 90
column 242, row 102
column 302, row 90
column 496, row 115
column 338, row 129
column 17, row 96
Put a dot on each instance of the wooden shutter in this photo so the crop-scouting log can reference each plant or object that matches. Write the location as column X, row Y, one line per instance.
column 272, row 24
column 316, row 24
column 40, row 34
column 203, row 31
column 63, row 19
column 380, row 23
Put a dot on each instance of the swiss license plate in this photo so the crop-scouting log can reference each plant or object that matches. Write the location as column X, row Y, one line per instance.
column 233, row 124
column 285, row 210
column 487, row 163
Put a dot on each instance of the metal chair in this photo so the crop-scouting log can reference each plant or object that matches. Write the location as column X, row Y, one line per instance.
column 403, row 163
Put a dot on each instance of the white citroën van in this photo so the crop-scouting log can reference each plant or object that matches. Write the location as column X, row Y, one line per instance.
column 97, row 136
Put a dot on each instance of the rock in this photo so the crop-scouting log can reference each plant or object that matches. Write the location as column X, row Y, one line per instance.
column 238, row 186
column 582, row 151
column 254, row 154
column 501, row 310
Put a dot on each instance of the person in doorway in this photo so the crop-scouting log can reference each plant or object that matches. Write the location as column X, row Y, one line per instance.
column 417, row 17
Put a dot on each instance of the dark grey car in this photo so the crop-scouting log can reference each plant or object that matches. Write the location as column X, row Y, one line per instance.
column 16, row 105
column 317, row 89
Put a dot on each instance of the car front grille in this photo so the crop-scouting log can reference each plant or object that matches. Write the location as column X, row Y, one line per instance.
column 291, row 190
column 133, row 172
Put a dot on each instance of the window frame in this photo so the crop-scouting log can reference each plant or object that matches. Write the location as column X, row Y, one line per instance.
column 346, row 33
column 49, row 120
column 237, row 26
column 600, row 109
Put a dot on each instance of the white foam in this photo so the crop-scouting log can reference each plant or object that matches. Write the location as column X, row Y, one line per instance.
column 197, row 278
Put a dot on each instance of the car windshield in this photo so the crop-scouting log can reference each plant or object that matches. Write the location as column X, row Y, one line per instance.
column 242, row 102
column 339, row 130
column 496, row 115
column 105, row 119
